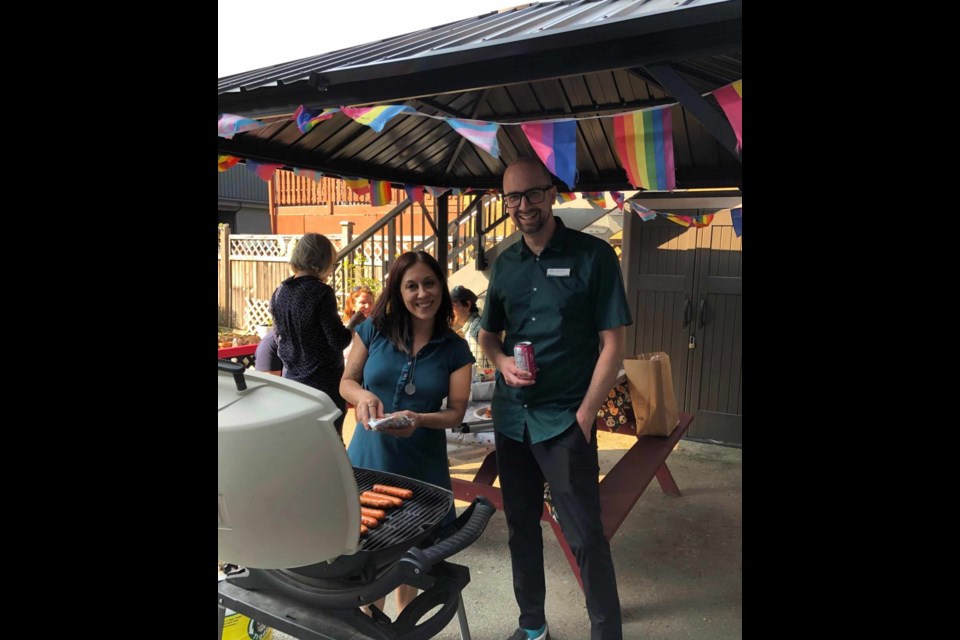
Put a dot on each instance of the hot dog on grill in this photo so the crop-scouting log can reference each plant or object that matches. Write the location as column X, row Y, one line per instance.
column 397, row 502
column 379, row 514
column 397, row 492
column 363, row 530
column 371, row 523
column 377, row 503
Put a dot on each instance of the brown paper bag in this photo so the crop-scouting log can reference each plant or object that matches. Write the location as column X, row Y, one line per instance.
column 650, row 380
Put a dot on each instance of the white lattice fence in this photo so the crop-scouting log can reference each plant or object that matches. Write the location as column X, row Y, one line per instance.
column 257, row 312
column 268, row 248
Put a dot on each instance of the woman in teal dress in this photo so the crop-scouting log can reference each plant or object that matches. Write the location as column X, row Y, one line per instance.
column 405, row 360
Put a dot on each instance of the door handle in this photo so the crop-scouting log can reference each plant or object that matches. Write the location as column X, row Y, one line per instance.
column 687, row 312
column 701, row 312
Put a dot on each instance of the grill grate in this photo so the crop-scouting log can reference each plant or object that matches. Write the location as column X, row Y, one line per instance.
column 418, row 515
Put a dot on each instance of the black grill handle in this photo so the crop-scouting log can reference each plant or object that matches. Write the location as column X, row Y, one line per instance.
column 471, row 524
column 235, row 369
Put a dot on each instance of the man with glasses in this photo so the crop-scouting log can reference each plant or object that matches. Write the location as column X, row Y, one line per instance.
column 562, row 291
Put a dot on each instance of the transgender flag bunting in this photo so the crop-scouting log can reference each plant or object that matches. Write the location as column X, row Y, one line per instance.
column 307, row 119
column 556, row 145
column 644, row 143
column 376, row 117
column 414, row 193
column 379, row 192
column 436, row 192
column 264, row 170
column 645, row 214
column 228, row 125
column 483, row 134
column 730, row 98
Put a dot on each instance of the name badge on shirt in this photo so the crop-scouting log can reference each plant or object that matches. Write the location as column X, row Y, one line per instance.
column 561, row 273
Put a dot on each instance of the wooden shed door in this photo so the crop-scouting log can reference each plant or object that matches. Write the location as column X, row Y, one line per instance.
column 689, row 304
column 664, row 297
column 715, row 380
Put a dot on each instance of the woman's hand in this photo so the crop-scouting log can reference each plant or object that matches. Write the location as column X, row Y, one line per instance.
column 368, row 408
column 407, row 431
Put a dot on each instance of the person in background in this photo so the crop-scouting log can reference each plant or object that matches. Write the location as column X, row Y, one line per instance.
column 266, row 358
column 360, row 301
column 405, row 360
column 357, row 308
column 562, row 291
column 466, row 321
column 310, row 336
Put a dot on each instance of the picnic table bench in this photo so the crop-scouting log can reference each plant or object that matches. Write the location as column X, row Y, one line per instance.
column 620, row 488
column 242, row 354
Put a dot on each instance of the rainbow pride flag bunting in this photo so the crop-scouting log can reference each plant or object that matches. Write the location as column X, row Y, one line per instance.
column 376, row 117
column 737, row 216
column 309, row 118
column 556, row 145
column 730, row 98
column 228, row 125
column 360, row 186
column 595, row 197
column 264, row 170
column 308, row 173
column 380, row 192
column 483, row 134
column 225, row 162
column 618, row 198
column 701, row 221
column 645, row 214
column 563, row 198
column 644, row 143
column 414, row 192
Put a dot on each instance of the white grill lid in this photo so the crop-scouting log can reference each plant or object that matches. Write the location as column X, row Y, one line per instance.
column 286, row 490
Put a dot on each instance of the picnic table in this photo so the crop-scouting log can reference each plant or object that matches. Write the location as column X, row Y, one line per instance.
column 620, row 488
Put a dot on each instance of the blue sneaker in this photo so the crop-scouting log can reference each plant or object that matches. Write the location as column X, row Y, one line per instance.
column 527, row 634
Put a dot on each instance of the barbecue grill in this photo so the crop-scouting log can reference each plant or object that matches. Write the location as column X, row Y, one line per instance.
column 289, row 515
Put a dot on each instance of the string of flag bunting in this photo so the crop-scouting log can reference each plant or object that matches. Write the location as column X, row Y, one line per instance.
column 643, row 139
column 379, row 192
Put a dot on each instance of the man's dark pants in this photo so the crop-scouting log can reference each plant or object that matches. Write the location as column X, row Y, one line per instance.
column 570, row 465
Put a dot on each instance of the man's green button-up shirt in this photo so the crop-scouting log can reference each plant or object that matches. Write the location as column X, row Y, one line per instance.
column 559, row 301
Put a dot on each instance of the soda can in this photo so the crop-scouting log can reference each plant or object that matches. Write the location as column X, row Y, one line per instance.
column 523, row 357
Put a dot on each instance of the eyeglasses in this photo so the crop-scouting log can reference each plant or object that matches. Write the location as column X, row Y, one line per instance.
column 533, row 196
